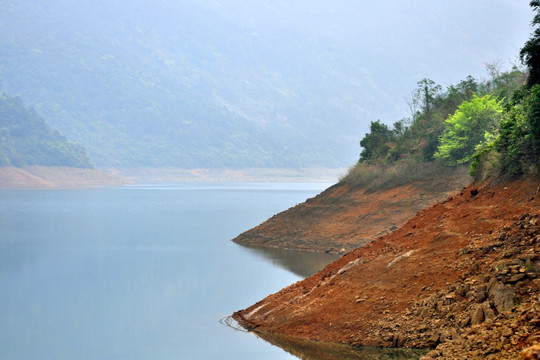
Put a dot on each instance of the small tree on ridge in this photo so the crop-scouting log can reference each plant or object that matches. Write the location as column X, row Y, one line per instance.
column 472, row 126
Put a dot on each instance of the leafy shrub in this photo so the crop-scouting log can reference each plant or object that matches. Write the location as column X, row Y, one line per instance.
column 518, row 142
column 375, row 144
column 471, row 126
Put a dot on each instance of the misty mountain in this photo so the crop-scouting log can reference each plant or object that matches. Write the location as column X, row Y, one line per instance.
column 26, row 139
column 239, row 83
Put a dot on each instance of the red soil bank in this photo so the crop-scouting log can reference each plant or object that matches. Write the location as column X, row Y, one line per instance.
column 460, row 277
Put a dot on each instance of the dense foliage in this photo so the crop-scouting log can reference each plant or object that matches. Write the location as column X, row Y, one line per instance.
column 519, row 142
column 472, row 126
column 530, row 53
column 495, row 126
column 26, row 139
column 376, row 143
column 432, row 132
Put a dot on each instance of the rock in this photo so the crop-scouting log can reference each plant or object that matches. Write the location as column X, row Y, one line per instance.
column 455, row 335
column 432, row 355
column 445, row 336
column 514, row 268
column 359, row 299
column 434, row 338
column 507, row 332
column 516, row 278
column 477, row 315
column 425, row 313
column 489, row 314
column 461, row 291
column 503, row 296
column 531, row 353
column 440, row 306
column 480, row 296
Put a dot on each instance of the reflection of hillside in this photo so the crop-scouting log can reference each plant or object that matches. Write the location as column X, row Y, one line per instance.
column 313, row 350
column 301, row 263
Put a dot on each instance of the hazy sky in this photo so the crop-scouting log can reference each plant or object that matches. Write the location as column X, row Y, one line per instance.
column 308, row 74
column 397, row 42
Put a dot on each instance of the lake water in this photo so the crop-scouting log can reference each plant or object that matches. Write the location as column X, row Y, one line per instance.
column 139, row 272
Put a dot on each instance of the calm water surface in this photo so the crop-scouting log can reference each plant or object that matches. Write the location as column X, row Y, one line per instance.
column 139, row 272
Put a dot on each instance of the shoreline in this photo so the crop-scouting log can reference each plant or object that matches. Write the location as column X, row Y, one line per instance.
column 461, row 278
column 344, row 217
column 43, row 177
column 172, row 174
column 56, row 177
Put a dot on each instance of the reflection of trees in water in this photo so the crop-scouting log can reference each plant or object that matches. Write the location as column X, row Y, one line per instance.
column 301, row 263
column 315, row 350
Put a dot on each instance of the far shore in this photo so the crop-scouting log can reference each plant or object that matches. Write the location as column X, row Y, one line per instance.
column 42, row 177
column 171, row 174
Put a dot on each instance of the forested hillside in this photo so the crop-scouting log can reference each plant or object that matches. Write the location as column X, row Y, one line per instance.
column 492, row 126
column 233, row 83
column 26, row 139
column 471, row 107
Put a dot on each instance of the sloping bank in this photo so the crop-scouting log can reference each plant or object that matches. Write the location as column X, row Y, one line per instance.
column 460, row 277
column 351, row 213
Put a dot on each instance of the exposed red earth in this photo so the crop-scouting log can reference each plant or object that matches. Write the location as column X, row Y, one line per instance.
column 345, row 217
column 460, row 277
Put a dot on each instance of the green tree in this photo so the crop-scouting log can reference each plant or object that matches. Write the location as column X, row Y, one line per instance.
column 376, row 143
column 426, row 95
column 418, row 137
column 519, row 139
column 472, row 126
column 503, row 84
column 530, row 53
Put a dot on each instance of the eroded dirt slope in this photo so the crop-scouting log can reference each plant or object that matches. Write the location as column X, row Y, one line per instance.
column 460, row 276
column 344, row 217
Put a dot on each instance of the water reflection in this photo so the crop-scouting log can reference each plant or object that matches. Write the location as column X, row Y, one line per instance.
column 315, row 350
column 13, row 260
column 305, row 264
column 301, row 263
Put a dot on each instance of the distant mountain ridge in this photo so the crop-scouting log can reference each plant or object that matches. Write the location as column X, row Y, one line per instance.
column 26, row 139
column 205, row 84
